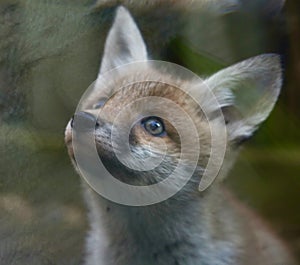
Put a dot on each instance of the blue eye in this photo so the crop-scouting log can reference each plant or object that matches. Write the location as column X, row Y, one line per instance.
column 154, row 126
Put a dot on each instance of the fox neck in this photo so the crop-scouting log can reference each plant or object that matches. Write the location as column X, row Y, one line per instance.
column 172, row 232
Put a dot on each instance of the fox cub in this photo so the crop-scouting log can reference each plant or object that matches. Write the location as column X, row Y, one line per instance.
column 191, row 227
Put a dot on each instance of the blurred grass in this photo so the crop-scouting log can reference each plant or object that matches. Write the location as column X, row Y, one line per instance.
column 267, row 179
column 42, row 218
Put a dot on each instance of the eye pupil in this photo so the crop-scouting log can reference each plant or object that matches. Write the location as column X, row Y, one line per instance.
column 154, row 126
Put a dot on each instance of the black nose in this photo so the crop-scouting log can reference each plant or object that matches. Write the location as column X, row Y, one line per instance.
column 84, row 121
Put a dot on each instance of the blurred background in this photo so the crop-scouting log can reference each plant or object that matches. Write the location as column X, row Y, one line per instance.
column 50, row 53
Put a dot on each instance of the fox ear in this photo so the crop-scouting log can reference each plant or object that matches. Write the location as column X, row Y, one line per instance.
column 124, row 43
column 247, row 93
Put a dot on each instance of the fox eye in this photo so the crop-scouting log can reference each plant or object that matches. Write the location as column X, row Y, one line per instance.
column 154, row 126
column 100, row 103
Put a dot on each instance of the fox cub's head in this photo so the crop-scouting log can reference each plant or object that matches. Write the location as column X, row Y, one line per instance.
column 147, row 117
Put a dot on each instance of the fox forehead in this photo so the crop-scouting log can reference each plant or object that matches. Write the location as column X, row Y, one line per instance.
column 147, row 89
column 126, row 93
